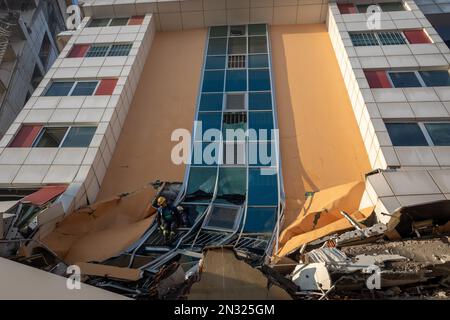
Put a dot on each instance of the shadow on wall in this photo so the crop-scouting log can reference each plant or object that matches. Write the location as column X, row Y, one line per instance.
column 165, row 100
column 320, row 142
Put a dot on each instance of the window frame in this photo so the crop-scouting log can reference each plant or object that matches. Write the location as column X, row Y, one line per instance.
column 426, row 134
column 237, row 218
column 75, row 82
column 109, row 49
column 376, row 34
column 61, row 125
column 416, row 73
column 109, row 22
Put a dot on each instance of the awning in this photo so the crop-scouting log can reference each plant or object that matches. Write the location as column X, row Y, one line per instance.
column 44, row 195
column 321, row 215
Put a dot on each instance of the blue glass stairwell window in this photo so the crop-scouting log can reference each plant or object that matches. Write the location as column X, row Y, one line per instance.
column 260, row 220
column 211, row 102
column 220, row 31
column 258, row 61
column 257, row 29
column 259, row 79
column 261, row 154
column 217, row 46
column 205, row 153
column 201, row 183
column 260, row 101
column 257, row 44
column 215, row 62
column 213, row 81
column 231, row 185
column 263, row 188
column 237, row 45
column 208, row 120
column 260, row 121
column 236, row 80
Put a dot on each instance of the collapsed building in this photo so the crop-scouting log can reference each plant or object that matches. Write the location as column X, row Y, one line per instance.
column 350, row 192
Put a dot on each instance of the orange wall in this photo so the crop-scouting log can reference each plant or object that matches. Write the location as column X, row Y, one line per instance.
column 165, row 100
column 320, row 141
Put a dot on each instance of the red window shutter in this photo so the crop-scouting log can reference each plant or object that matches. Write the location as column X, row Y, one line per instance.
column 25, row 137
column 135, row 20
column 78, row 51
column 345, row 8
column 106, row 87
column 377, row 79
column 44, row 195
column 417, row 36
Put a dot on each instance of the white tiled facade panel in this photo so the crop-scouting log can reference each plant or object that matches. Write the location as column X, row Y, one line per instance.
column 82, row 169
column 409, row 175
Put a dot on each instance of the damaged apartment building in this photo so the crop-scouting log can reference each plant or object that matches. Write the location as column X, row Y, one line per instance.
column 356, row 203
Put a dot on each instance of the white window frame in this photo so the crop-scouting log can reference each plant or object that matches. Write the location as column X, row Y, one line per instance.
column 75, row 82
column 109, row 22
column 421, row 125
column 236, row 220
column 377, row 37
column 110, row 45
column 422, row 83
column 59, row 125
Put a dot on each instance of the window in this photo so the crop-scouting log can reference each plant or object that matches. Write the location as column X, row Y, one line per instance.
column 116, row 22
column 99, row 23
column 260, row 220
column 79, row 137
column 257, row 45
column 438, row 78
column 119, row 50
column 97, row 50
column 439, row 133
column 236, row 80
column 259, row 80
column 256, row 29
column 221, row 31
column 85, row 88
column 261, row 121
column 50, row 137
column 65, row 137
column 236, row 62
column 205, row 153
column 210, row 120
column 417, row 36
column 25, row 137
column 258, row 61
column 404, row 79
column 234, row 121
column 363, row 39
column 82, row 88
column 235, row 101
column 223, row 218
column 59, row 89
column 201, row 183
column 215, row 62
column 213, row 81
column 217, row 46
column 260, row 101
column 78, row 51
column 211, row 102
column 36, row 78
column 391, row 38
column 237, row 31
column 232, row 185
column 263, row 188
column 237, row 45
column 406, row 134
column 377, row 79
column 233, row 153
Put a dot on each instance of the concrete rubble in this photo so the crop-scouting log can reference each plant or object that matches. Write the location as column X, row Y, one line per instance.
column 357, row 258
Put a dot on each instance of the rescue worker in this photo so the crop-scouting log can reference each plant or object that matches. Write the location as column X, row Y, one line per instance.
column 167, row 218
